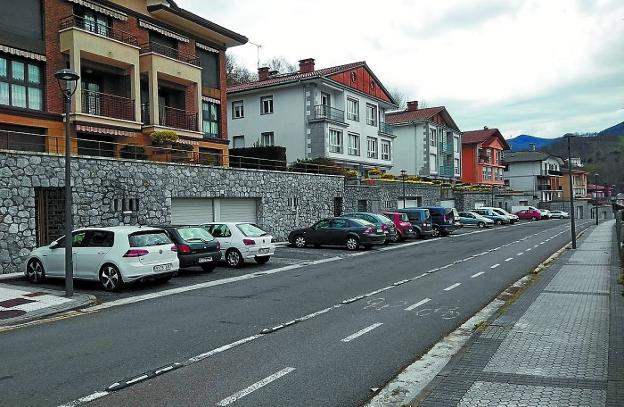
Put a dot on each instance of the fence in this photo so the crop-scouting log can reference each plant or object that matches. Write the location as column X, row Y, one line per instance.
column 619, row 231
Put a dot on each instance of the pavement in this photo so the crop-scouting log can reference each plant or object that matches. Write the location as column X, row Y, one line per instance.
column 560, row 343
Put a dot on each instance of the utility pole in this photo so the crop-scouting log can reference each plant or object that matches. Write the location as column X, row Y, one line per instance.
column 572, row 213
column 596, row 200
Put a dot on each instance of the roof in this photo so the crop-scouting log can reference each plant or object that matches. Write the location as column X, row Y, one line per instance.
column 417, row 115
column 480, row 136
column 528, row 156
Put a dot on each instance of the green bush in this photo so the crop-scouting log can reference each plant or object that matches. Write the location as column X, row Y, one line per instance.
column 133, row 151
column 262, row 157
column 163, row 137
column 317, row 166
column 387, row 176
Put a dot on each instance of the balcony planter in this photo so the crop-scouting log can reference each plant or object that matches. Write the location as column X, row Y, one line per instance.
column 133, row 151
column 375, row 173
column 164, row 140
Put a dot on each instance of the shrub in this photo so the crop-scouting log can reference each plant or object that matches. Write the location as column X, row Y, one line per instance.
column 262, row 157
column 133, row 151
column 387, row 176
column 375, row 171
column 163, row 137
column 350, row 173
column 317, row 165
column 182, row 146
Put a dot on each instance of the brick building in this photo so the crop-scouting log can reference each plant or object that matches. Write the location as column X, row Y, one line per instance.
column 482, row 152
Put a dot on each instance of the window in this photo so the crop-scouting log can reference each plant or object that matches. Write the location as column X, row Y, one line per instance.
column 339, row 224
column 323, row 224
column 335, row 141
column 20, row 83
column 293, row 202
column 354, row 144
column 488, row 172
column 372, row 148
column 96, row 23
column 267, row 139
column 353, row 109
column 432, row 137
column 238, row 111
column 151, row 238
column 209, row 62
column 266, row 105
column 433, row 163
column 126, row 205
column 483, row 174
column 457, row 169
column 456, row 144
column 219, row 230
column 362, row 205
column 371, row 115
column 101, row 238
column 337, row 206
column 210, row 119
column 386, row 150
column 499, row 156
column 238, row 142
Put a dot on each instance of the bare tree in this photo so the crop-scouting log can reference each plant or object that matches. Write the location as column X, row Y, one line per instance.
column 399, row 97
column 236, row 73
column 281, row 65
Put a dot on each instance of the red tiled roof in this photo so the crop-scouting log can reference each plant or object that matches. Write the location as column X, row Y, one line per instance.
column 477, row 136
column 407, row 116
column 294, row 76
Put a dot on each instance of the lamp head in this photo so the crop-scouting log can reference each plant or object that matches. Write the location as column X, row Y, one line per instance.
column 66, row 75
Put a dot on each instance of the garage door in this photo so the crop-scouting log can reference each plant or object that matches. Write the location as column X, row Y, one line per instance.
column 191, row 211
column 409, row 203
column 238, row 210
column 448, row 203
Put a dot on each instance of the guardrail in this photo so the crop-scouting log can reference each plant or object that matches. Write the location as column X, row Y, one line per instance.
column 104, row 104
column 98, row 28
column 162, row 49
column 619, row 231
column 329, row 113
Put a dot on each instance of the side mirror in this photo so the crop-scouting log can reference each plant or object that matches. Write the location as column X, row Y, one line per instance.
column 53, row 245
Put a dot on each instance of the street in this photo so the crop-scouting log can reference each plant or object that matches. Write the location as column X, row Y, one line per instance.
column 311, row 327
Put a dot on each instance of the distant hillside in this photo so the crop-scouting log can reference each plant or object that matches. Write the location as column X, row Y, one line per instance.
column 617, row 130
column 522, row 142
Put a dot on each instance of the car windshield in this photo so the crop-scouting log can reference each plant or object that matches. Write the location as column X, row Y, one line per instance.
column 404, row 217
column 251, row 230
column 500, row 211
column 195, row 234
column 148, row 238
column 383, row 218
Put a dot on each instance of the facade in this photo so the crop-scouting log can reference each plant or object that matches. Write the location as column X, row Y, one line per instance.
column 534, row 172
column 144, row 66
column 428, row 142
column 579, row 183
column 336, row 113
column 482, row 152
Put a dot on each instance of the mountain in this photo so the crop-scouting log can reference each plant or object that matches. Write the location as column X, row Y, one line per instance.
column 522, row 142
column 617, row 130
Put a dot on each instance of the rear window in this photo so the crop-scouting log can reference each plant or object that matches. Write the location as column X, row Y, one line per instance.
column 197, row 234
column 251, row 230
column 151, row 238
column 404, row 217
column 360, row 222
column 383, row 218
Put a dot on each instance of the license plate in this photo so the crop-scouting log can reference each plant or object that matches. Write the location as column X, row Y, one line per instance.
column 205, row 259
column 264, row 250
column 163, row 267
column 379, row 230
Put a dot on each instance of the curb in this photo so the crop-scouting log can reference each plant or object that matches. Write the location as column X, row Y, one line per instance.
column 11, row 276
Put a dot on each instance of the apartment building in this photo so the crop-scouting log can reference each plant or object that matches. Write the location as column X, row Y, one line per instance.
column 534, row 172
column 579, row 183
column 482, row 153
column 144, row 66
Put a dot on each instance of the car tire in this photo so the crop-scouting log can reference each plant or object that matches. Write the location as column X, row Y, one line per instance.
column 396, row 238
column 208, row 267
column 417, row 234
column 481, row 225
column 436, row 233
column 498, row 222
column 300, row 241
column 35, row 272
column 262, row 259
column 110, row 278
column 352, row 243
column 233, row 258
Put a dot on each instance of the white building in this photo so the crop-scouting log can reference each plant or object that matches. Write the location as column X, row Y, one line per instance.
column 428, row 142
column 534, row 172
column 336, row 113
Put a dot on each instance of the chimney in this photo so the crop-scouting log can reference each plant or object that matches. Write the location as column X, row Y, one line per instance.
column 485, row 128
column 263, row 73
column 412, row 105
column 306, row 65
column 532, row 147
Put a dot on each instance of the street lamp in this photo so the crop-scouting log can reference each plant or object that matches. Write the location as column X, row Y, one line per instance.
column 403, row 176
column 70, row 79
column 572, row 214
column 596, row 200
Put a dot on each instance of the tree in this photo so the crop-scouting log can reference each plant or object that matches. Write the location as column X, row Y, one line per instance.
column 281, row 65
column 399, row 97
column 236, row 73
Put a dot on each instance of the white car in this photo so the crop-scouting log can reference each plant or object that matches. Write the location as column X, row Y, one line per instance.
column 113, row 256
column 513, row 218
column 559, row 214
column 241, row 241
column 545, row 213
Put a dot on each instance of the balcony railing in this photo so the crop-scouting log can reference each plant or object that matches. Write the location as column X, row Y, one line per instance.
column 161, row 49
column 385, row 128
column 177, row 118
column 329, row 113
column 98, row 28
column 545, row 187
column 104, row 104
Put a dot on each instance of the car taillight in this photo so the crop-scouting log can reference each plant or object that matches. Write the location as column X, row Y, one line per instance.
column 174, row 248
column 249, row 242
column 184, row 249
column 136, row 253
column 444, row 218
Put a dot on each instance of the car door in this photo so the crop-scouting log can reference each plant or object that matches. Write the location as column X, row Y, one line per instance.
column 338, row 230
column 54, row 261
column 319, row 233
column 91, row 254
column 222, row 233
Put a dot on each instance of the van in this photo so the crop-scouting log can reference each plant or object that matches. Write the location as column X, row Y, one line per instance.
column 421, row 221
column 445, row 220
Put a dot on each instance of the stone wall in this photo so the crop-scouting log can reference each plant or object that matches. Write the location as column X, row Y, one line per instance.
column 384, row 195
column 100, row 184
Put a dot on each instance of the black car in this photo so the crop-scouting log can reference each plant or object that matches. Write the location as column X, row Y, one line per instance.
column 382, row 221
column 445, row 220
column 420, row 218
column 196, row 246
column 352, row 233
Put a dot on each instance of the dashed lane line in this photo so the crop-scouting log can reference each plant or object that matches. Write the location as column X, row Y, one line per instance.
column 418, row 304
column 509, row 259
column 257, row 385
column 451, row 287
column 361, row 332
column 477, row 274
column 493, row 266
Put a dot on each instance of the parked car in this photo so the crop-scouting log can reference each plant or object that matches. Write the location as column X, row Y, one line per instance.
column 545, row 213
column 402, row 224
column 495, row 216
column 382, row 221
column 529, row 214
column 512, row 218
column 474, row 219
column 445, row 220
column 196, row 246
column 349, row 232
column 242, row 241
column 420, row 218
column 113, row 256
column 559, row 215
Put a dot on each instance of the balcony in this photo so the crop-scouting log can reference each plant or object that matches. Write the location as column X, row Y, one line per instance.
column 170, row 117
column 385, row 128
column 445, row 148
column 555, row 172
column 544, row 187
column 107, row 105
column 94, row 27
column 160, row 49
column 324, row 112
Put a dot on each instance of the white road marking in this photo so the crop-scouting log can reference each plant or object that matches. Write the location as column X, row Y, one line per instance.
column 542, row 242
column 418, row 304
column 519, row 254
column 86, row 399
column 477, row 274
column 528, row 250
column 536, row 245
column 255, row 386
column 494, row 265
column 223, row 348
column 137, row 379
column 361, row 332
column 450, row 287
column 509, row 259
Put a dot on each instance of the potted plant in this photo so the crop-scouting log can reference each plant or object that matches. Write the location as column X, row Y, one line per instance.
column 133, row 151
column 387, row 176
column 164, row 138
column 375, row 173
column 350, row 173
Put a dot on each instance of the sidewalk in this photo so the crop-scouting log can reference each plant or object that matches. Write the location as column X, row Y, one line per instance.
column 560, row 344
column 23, row 304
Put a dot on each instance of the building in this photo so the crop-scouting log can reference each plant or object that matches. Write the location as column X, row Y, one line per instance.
column 144, row 65
column 482, row 152
column 600, row 193
column 428, row 142
column 534, row 172
column 579, row 182
column 336, row 113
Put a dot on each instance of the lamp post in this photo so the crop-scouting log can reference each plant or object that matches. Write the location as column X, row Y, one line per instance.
column 70, row 79
column 596, row 200
column 572, row 214
column 403, row 175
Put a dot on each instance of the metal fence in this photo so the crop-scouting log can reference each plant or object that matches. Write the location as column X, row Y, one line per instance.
column 619, row 231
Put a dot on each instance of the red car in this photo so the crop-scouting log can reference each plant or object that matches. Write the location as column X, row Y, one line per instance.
column 402, row 224
column 529, row 214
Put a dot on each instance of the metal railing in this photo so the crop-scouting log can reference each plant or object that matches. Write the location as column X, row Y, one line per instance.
column 177, row 118
column 161, row 49
column 619, row 231
column 385, row 128
column 329, row 113
column 104, row 104
column 98, row 28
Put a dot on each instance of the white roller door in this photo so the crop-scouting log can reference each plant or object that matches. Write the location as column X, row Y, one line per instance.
column 238, row 210
column 191, row 211
column 409, row 203
column 449, row 203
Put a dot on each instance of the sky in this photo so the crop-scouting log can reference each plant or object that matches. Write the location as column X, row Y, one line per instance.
column 538, row 67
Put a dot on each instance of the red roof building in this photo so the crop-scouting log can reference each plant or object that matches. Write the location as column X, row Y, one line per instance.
column 482, row 156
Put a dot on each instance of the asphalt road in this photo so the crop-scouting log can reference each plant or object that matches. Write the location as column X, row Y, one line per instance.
column 337, row 348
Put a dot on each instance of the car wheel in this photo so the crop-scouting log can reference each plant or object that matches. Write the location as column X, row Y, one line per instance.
column 110, row 278
column 533, row 218
column 352, row 243
column 233, row 258
column 262, row 259
column 417, row 234
column 35, row 272
column 208, row 267
column 499, row 222
column 481, row 225
column 436, row 233
column 300, row 241
column 397, row 238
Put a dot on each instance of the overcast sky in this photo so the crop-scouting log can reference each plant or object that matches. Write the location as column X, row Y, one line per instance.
column 539, row 67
